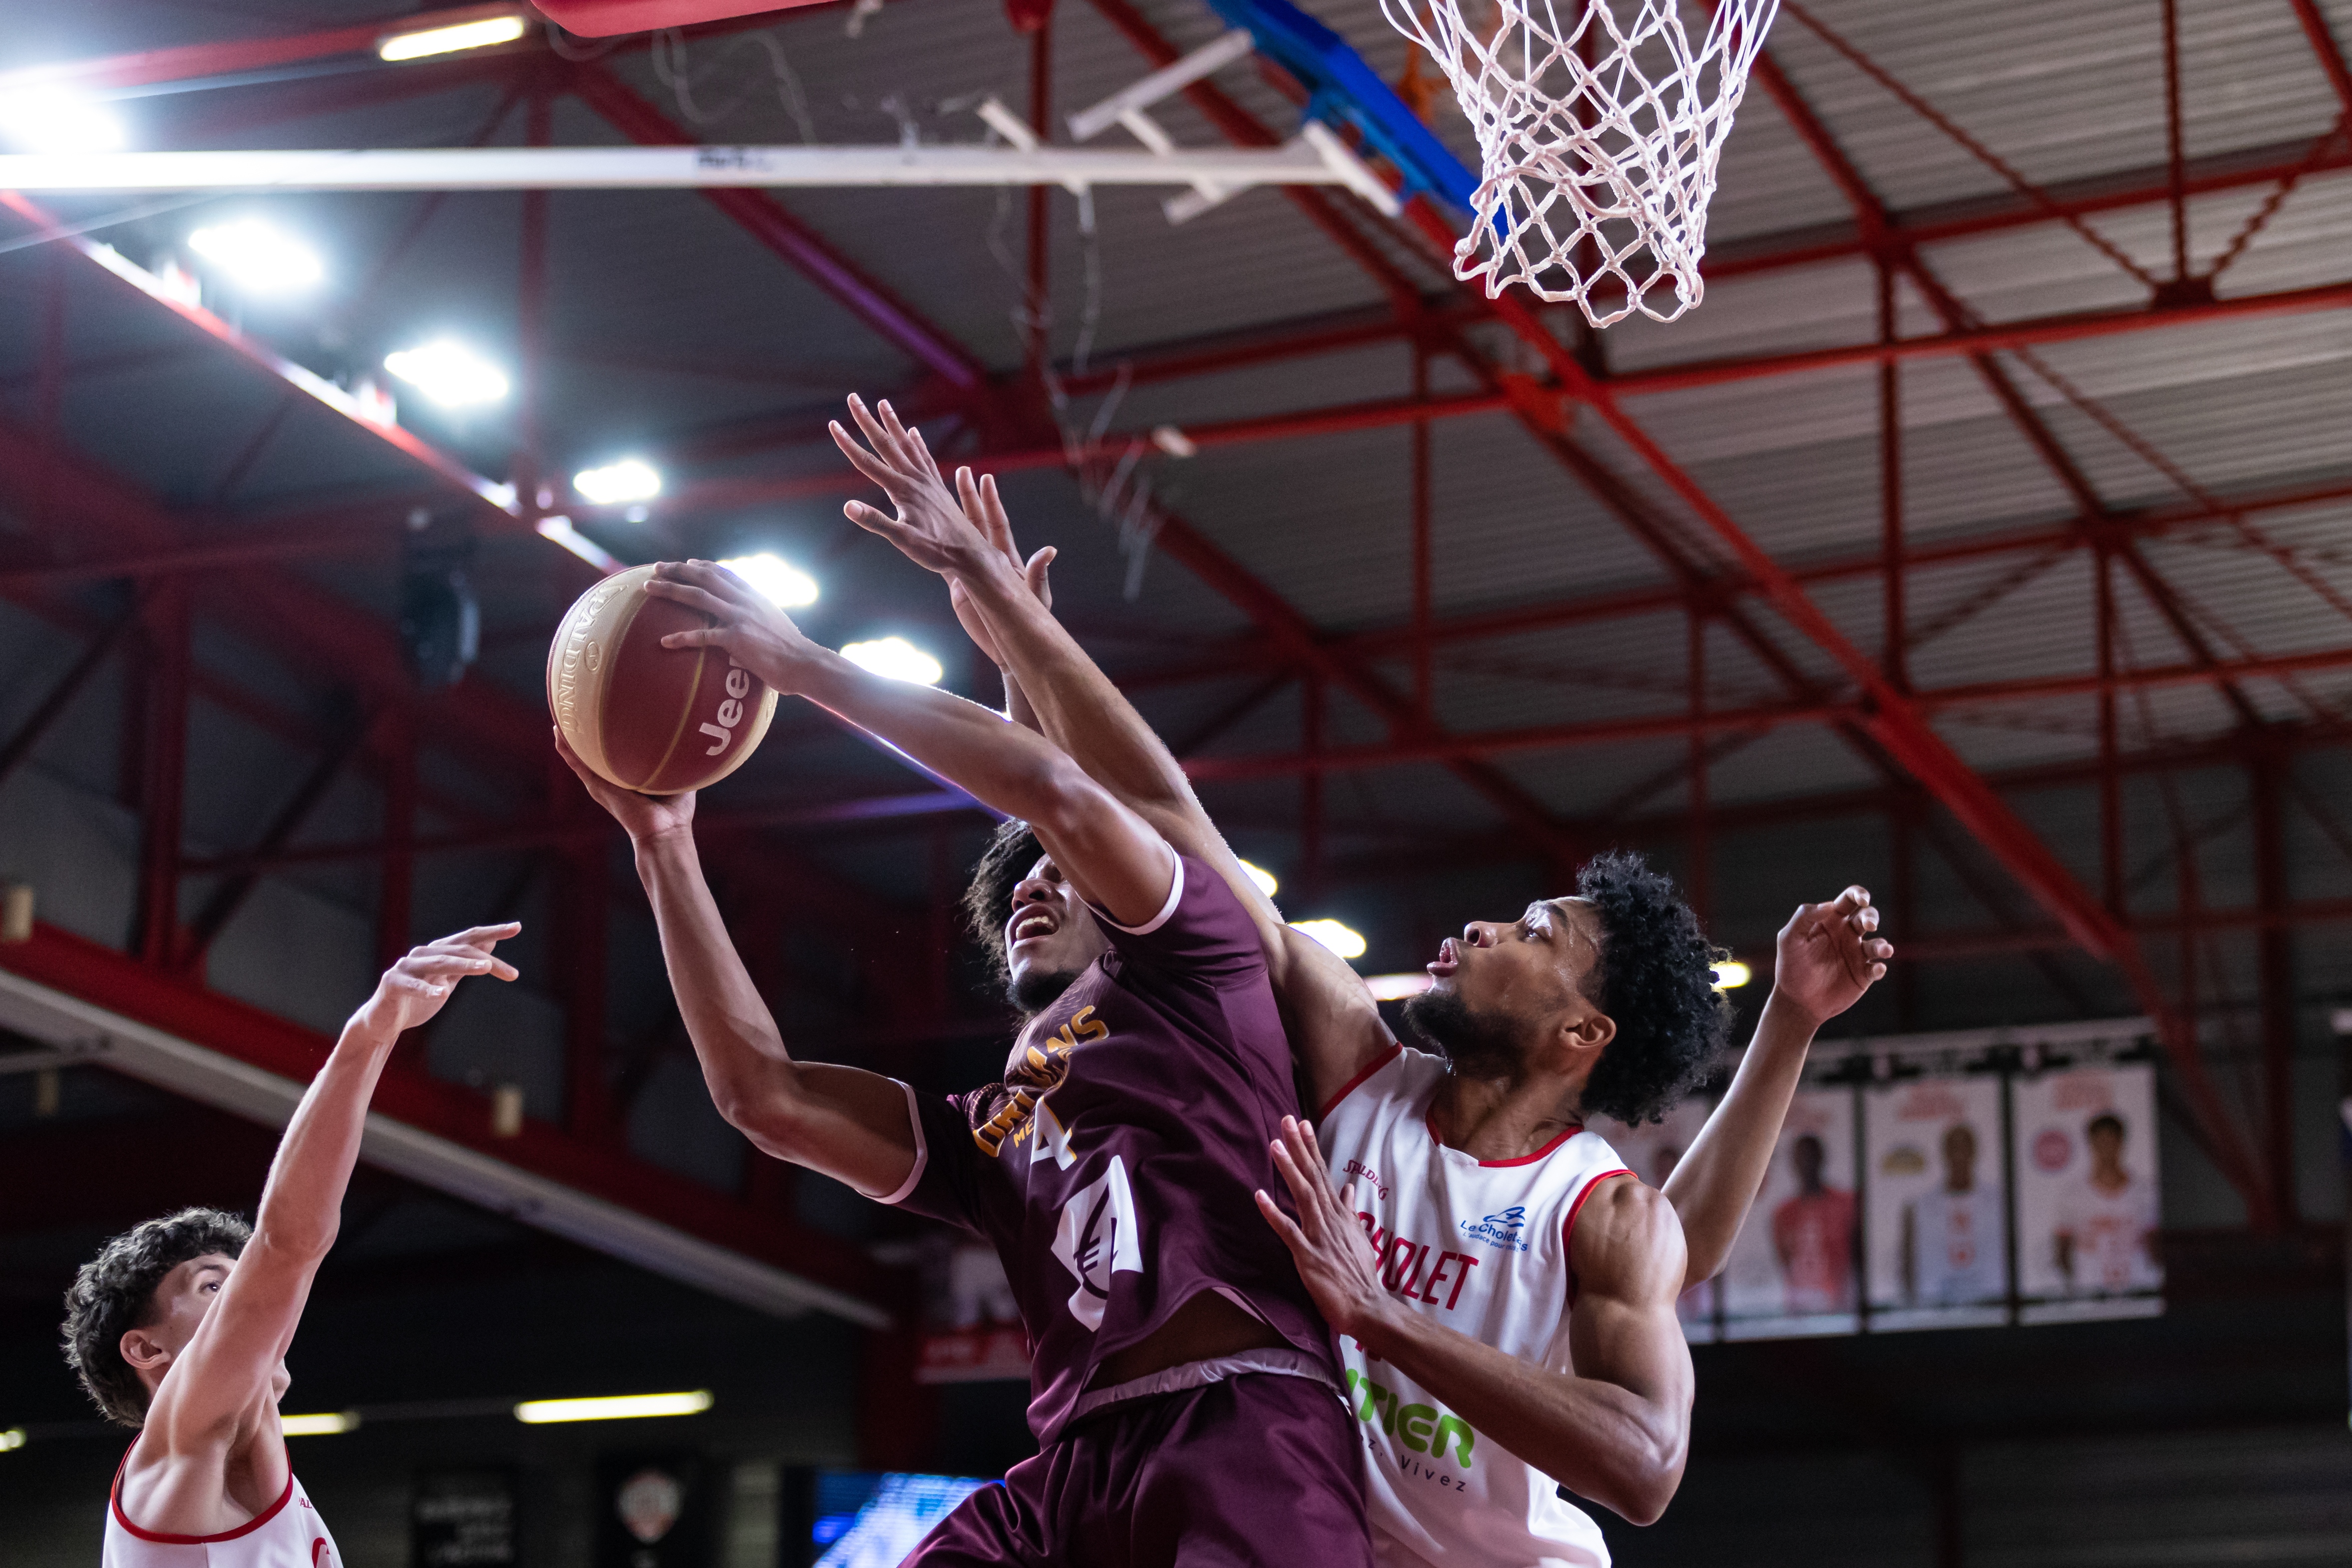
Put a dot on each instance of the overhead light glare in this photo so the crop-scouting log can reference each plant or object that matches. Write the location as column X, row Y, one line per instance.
column 1339, row 939
column 13, row 1437
column 617, row 484
column 57, row 120
column 1262, row 876
column 450, row 374
column 258, row 257
column 894, row 657
column 448, row 40
column 1731, row 974
column 615, row 1408
column 1397, row 987
column 322, row 1425
column 776, row 580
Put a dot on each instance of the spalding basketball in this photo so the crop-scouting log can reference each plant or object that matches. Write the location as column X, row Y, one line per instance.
column 660, row 721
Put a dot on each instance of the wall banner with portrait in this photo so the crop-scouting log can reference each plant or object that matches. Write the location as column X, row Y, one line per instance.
column 1937, row 1231
column 1792, row 1270
column 1651, row 1152
column 2087, row 1193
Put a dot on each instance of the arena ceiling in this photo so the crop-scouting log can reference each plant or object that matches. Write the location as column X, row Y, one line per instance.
column 2006, row 301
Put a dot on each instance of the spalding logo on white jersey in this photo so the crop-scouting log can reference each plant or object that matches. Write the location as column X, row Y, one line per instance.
column 1097, row 1239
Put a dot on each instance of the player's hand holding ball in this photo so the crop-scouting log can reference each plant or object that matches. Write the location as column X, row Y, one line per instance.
column 744, row 626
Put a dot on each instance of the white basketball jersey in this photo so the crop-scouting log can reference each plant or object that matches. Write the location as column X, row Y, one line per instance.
column 289, row 1534
column 1958, row 1246
column 1482, row 1247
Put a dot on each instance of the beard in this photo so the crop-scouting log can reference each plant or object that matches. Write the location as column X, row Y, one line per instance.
column 1476, row 1044
column 1033, row 992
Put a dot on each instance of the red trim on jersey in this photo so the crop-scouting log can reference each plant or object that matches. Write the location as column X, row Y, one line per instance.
column 114, row 1497
column 1567, row 1227
column 1428, row 1120
column 1357, row 1082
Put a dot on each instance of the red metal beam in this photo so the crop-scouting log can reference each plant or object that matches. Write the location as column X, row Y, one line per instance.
column 2329, row 53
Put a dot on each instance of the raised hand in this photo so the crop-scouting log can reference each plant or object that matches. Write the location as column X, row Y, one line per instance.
column 931, row 527
column 413, row 990
column 1335, row 1257
column 645, row 816
column 1829, row 954
column 985, row 509
column 752, row 631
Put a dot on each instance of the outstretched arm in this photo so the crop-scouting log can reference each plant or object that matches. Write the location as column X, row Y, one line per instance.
column 214, row 1386
column 1825, row 958
column 1616, row 1429
column 841, row 1121
column 1333, row 1024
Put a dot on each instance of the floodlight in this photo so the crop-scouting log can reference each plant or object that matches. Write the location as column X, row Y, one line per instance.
column 894, row 657
column 1262, row 876
column 631, row 479
column 257, row 257
column 615, row 1408
column 1347, row 943
column 448, row 373
column 58, row 119
column 322, row 1425
column 14, row 1437
column 1397, row 987
column 777, row 580
column 482, row 35
column 1731, row 974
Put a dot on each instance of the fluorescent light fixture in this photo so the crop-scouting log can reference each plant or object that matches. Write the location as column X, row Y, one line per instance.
column 896, row 657
column 258, row 257
column 1333, row 935
column 58, row 119
column 1731, row 974
column 14, row 1437
column 1397, row 987
column 448, row 373
column 480, row 35
column 1262, row 876
column 616, row 1407
column 615, row 484
column 322, row 1425
column 777, row 580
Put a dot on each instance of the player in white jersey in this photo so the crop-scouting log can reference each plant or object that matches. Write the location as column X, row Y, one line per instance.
column 2105, row 1234
column 1602, row 1001
column 1953, row 1241
column 180, row 1326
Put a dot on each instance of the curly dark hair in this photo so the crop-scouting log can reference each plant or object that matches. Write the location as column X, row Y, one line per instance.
column 1011, row 850
column 113, row 1294
column 1655, row 980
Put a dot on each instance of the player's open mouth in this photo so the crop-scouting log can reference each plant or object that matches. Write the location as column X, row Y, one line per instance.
column 1033, row 926
column 1448, row 959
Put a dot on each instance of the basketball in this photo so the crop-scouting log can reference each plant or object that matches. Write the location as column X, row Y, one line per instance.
column 657, row 719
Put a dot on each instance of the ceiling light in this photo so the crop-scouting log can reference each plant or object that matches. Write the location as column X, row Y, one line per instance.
column 1333, row 935
column 325, row 1425
column 1731, row 974
column 631, row 479
column 896, row 657
column 448, row 40
column 56, row 120
column 1262, row 876
column 256, row 257
column 616, row 1407
column 14, row 1437
column 777, row 580
column 1397, row 987
column 448, row 373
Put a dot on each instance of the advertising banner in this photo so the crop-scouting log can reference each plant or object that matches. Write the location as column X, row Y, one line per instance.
column 2087, row 1195
column 1651, row 1152
column 1938, row 1226
column 1793, row 1268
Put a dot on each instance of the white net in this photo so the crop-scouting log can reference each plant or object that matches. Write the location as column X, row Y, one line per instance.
column 1597, row 140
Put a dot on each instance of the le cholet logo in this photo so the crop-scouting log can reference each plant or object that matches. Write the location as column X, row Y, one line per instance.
column 1499, row 1229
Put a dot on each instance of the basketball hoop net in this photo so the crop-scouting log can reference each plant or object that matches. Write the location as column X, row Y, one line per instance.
column 1598, row 141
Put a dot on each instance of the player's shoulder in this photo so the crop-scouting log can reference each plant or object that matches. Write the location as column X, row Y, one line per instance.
column 1626, row 1236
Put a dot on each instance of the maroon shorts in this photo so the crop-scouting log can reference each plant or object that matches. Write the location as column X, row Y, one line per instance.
column 1258, row 1471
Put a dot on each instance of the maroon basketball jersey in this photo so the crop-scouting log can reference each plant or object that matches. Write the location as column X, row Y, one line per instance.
column 1115, row 1167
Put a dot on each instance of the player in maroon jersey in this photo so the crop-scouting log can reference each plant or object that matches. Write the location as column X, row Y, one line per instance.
column 1183, row 1385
